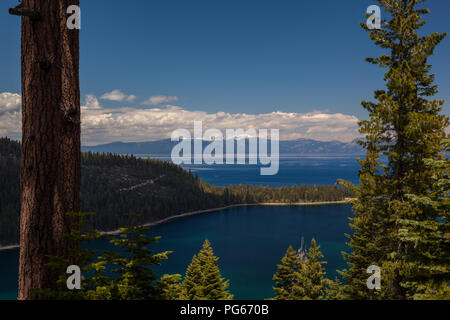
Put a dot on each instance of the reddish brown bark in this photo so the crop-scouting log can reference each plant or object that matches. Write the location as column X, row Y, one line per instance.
column 50, row 173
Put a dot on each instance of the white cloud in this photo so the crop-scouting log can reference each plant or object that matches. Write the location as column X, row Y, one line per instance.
column 136, row 124
column 117, row 95
column 103, row 125
column 157, row 100
column 10, row 101
column 10, row 115
column 91, row 102
column 131, row 98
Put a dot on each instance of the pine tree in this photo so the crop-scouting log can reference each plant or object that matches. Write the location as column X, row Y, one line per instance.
column 429, row 262
column 407, row 128
column 136, row 280
column 301, row 276
column 287, row 275
column 122, row 274
column 312, row 284
column 203, row 280
column 334, row 290
column 50, row 161
column 170, row 287
column 368, row 241
column 193, row 281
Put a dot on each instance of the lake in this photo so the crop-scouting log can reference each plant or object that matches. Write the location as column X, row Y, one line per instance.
column 250, row 241
column 319, row 170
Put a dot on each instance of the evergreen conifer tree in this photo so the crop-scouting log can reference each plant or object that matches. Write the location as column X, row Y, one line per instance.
column 122, row 274
column 203, row 280
column 136, row 280
column 301, row 276
column 287, row 275
column 193, row 281
column 312, row 284
column 395, row 226
column 170, row 287
column 429, row 261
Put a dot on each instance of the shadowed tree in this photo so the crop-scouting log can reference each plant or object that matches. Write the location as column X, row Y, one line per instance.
column 50, row 167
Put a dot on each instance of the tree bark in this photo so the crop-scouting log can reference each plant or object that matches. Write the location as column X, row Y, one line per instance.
column 50, row 171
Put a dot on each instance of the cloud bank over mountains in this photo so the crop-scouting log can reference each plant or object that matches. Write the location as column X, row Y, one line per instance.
column 137, row 124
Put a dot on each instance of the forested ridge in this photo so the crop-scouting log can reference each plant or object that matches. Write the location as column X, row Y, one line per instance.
column 113, row 186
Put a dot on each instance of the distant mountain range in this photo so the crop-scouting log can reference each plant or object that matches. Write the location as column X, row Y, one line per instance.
column 164, row 147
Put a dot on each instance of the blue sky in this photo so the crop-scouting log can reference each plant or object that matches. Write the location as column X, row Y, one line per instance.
column 234, row 56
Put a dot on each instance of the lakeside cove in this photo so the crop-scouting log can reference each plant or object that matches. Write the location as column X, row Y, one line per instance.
column 197, row 212
column 250, row 241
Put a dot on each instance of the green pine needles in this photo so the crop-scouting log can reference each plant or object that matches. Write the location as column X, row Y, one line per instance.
column 203, row 280
column 401, row 221
column 124, row 273
column 401, row 213
column 301, row 276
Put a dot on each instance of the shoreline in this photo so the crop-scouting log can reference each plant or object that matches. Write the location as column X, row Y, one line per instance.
column 197, row 212
column 5, row 248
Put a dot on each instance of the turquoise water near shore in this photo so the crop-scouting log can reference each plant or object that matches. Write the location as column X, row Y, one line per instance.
column 8, row 274
column 250, row 242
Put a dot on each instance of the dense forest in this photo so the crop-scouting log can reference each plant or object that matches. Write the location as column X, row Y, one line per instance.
column 9, row 191
column 113, row 186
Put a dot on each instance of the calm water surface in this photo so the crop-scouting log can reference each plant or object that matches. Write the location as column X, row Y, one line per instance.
column 250, row 242
column 319, row 170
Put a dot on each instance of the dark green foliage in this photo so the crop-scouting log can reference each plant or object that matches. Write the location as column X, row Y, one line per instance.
column 301, row 276
column 287, row 275
column 113, row 185
column 133, row 278
column 124, row 273
column 401, row 211
column 203, row 280
column 170, row 287
column 192, row 286
column 428, row 262
column 81, row 257
column 312, row 284
column 9, row 191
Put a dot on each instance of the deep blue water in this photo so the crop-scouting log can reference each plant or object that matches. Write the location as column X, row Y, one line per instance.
column 319, row 170
column 250, row 241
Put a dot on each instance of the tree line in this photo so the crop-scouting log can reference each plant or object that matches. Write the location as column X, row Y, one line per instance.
column 113, row 186
column 401, row 211
column 125, row 273
column 401, row 222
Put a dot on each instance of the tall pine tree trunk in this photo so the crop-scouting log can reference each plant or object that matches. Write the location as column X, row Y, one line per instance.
column 50, row 172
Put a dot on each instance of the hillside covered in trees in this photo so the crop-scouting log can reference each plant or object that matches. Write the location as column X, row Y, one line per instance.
column 113, row 186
